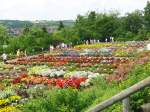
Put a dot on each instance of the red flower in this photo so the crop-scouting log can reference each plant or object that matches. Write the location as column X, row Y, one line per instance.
column 23, row 76
column 49, row 81
column 60, row 83
column 17, row 80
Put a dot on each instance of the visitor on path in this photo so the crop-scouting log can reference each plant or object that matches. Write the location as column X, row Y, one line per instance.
column 21, row 53
column 62, row 45
column 25, row 53
column 148, row 47
column 51, row 48
column 4, row 56
column 87, row 42
column 112, row 39
column 106, row 40
column 18, row 53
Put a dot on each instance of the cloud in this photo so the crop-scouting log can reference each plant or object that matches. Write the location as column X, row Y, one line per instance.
column 62, row 9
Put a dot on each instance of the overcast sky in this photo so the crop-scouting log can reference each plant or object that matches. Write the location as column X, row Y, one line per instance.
column 62, row 9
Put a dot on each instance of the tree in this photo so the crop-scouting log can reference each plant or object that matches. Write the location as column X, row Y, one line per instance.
column 147, row 15
column 3, row 35
column 91, row 16
column 80, row 26
column 97, row 26
column 61, row 25
column 44, row 29
column 86, row 26
column 106, row 25
column 91, row 25
column 35, row 39
column 26, row 30
column 133, row 21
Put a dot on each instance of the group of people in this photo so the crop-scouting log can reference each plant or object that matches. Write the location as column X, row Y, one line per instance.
column 111, row 39
column 63, row 45
column 19, row 54
column 94, row 41
column 60, row 46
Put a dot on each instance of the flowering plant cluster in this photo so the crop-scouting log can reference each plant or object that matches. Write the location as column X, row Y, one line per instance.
column 30, row 77
column 9, row 100
column 86, row 74
column 45, row 71
column 58, row 82
column 100, row 45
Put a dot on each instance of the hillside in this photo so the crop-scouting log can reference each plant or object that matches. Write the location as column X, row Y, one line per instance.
column 20, row 24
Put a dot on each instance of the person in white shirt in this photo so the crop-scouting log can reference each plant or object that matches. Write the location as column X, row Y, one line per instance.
column 51, row 48
column 106, row 40
column 4, row 56
column 62, row 45
column 112, row 38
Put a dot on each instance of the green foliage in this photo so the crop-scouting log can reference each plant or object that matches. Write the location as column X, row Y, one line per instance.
column 147, row 15
column 55, row 100
column 3, row 35
column 61, row 25
column 32, row 39
column 133, row 21
column 96, row 26
column 139, row 73
column 66, row 35
column 72, row 100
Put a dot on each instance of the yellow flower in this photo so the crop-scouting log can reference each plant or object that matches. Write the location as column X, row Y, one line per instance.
column 15, row 97
column 8, row 109
column 100, row 45
column 4, row 101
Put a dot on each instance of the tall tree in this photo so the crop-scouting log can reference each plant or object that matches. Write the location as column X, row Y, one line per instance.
column 133, row 21
column 106, row 25
column 26, row 30
column 91, row 25
column 61, row 25
column 3, row 35
column 44, row 29
column 147, row 15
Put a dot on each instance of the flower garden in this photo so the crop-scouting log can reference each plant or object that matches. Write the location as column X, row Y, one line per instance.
column 73, row 80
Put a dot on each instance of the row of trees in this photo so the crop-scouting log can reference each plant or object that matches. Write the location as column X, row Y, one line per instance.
column 135, row 25
column 32, row 40
column 132, row 26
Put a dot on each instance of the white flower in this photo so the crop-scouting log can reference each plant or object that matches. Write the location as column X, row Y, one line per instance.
column 86, row 83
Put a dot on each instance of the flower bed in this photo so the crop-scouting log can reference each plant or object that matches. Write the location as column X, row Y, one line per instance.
column 29, row 77
column 9, row 100
column 101, row 45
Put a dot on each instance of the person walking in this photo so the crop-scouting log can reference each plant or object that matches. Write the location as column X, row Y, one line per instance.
column 18, row 53
column 106, row 40
column 25, row 53
column 4, row 56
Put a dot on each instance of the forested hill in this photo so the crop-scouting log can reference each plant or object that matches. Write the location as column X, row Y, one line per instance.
column 45, row 23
